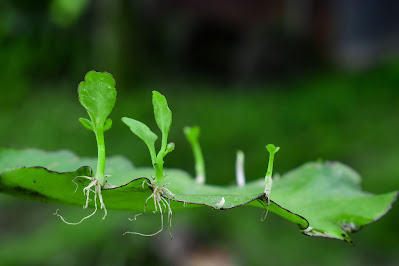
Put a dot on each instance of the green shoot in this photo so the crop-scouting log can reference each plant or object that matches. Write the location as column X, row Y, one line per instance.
column 97, row 94
column 163, row 117
column 268, row 178
column 192, row 135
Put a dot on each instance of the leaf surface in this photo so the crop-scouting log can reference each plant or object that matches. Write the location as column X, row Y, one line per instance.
column 144, row 133
column 97, row 94
column 162, row 113
column 323, row 199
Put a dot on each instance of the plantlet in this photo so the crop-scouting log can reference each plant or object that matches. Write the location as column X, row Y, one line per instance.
column 240, row 174
column 163, row 118
column 97, row 94
column 192, row 134
column 268, row 178
column 323, row 199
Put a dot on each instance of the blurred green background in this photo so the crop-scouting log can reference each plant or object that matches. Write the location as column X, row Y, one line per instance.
column 317, row 78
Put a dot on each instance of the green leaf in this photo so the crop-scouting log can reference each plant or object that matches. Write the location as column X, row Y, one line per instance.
column 192, row 134
column 98, row 95
column 169, row 148
column 144, row 133
column 86, row 123
column 272, row 149
column 108, row 124
column 163, row 115
column 329, row 196
column 323, row 199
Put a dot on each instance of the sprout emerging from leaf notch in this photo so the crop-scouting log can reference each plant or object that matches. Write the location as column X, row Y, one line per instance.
column 192, row 134
column 163, row 118
column 97, row 94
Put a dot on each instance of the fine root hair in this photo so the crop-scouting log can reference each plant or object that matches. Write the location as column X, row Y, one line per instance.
column 161, row 204
column 86, row 191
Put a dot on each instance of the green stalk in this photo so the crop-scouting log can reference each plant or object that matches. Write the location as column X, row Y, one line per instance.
column 159, row 173
column 199, row 163
column 159, row 164
column 192, row 135
column 268, row 178
column 101, row 156
column 159, row 176
column 269, row 172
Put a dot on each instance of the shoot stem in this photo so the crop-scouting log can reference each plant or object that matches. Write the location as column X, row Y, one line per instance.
column 159, row 172
column 268, row 178
column 101, row 156
column 192, row 135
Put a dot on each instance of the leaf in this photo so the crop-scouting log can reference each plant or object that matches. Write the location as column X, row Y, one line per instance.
column 86, row 123
column 163, row 115
column 323, row 199
column 192, row 134
column 98, row 95
column 144, row 133
column 108, row 124
column 169, row 148
column 272, row 149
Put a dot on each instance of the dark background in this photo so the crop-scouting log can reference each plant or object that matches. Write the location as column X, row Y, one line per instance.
column 317, row 78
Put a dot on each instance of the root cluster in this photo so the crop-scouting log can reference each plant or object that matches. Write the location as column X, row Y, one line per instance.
column 94, row 187
column 159, row 201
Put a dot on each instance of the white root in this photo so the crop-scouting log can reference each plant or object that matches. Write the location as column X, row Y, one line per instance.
column 158, row 199
column 86, row 191
column 220, row 204
column 77, row 186
column 266, row 212
column 149, row 235
column 240, row 174
column 135, row 217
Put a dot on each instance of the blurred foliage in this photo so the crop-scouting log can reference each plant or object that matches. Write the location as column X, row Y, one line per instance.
column 47, row 46
column 65, row 12
column 347, row 117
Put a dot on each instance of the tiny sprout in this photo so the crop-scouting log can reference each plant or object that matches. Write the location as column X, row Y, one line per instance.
column 220, row 204
column 163, row 118
column 268, row 178
column 97, row 94
column 192, row 135
column 240, row 174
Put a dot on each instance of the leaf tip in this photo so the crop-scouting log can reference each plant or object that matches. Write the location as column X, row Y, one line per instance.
column 272, row 149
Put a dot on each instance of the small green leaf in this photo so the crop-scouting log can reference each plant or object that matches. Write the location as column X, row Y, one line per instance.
column 169, row 148
column 86, row 123
column 192, row 134
column 163, row 115
column 98, row 95
column 144, row 133
column 272, row 149
column 108, row 124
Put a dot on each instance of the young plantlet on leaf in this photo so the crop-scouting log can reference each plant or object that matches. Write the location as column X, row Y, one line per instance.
column 268, row 178
column 240, row 174
column 192, row 134
column 163, row 118
column 97, row 94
